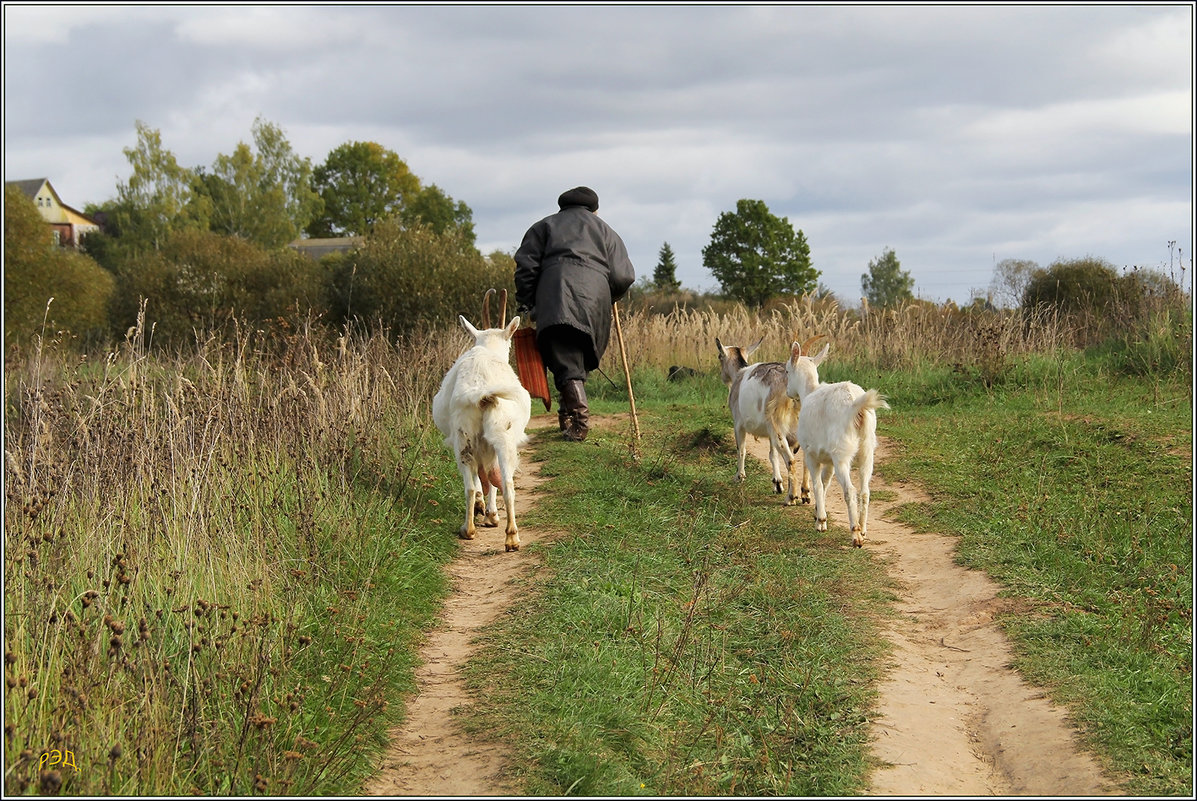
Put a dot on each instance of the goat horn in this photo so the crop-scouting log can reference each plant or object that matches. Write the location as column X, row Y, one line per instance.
column 808, row 344
column 486, row 307
column 503, row 307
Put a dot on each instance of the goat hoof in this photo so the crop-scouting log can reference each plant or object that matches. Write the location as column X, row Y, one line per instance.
column 491, row 519
column 465, row 535
column 858, row 538
column 820, row 525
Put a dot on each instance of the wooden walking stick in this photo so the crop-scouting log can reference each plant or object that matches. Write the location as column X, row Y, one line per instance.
column 628, row 377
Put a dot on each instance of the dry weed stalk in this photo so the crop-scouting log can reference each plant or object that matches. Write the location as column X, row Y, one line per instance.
column 158, row 552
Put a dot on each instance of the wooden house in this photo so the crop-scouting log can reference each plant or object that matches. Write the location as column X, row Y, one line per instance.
column 68, row 224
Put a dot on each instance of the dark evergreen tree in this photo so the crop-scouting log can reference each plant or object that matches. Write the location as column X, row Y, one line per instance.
column 665, row 274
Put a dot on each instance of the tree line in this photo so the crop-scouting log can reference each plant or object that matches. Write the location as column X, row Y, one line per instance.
column 192, row 251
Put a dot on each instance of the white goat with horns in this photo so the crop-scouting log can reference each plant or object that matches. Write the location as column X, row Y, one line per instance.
column 483, row 410
column 760, row 406
column 838, row 428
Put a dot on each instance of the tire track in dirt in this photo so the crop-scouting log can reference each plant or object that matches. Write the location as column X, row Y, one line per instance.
column 953, row 717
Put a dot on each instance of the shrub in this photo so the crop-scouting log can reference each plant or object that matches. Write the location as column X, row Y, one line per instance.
column 201, row 281
column 36, row 271
column 1081, row 291
column 409, row 277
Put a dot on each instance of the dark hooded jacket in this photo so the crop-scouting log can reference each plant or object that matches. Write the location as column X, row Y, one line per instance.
column 569, row 269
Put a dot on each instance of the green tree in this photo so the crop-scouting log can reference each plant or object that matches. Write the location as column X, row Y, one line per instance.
column 158, row 198
column 665, row 274
column 432, row 207
column 36, row 271
column 263, row 194
column 360, row 183
column 886, row 283
column 756, row 255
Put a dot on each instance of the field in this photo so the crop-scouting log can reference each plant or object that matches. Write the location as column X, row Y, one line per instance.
column 220, row 564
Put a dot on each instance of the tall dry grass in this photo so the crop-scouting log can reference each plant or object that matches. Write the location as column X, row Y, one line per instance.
column 909, row 335
column 200, row 552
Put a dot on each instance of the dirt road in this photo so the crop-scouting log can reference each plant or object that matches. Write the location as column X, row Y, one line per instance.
column 953, row 719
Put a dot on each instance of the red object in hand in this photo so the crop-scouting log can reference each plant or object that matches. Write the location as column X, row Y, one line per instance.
column 530, row 366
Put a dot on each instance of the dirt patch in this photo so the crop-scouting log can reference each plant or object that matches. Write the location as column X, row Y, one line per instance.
column 429, row 754
column 953, row 717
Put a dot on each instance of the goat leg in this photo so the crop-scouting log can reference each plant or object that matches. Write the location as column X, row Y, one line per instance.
column 490, row 484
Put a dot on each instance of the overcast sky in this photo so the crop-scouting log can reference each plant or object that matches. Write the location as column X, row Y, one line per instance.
column 958, row 136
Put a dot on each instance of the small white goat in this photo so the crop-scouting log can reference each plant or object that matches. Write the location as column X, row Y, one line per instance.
column 838, row 428
column 760, row 406
column 483, row 410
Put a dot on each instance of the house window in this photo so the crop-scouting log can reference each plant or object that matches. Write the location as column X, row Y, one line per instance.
column 57, row 237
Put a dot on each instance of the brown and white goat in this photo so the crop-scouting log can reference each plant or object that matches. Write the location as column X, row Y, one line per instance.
column 760, row 406
column 482, row 410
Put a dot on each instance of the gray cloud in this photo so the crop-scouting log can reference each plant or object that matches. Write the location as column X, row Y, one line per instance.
column 957, row 135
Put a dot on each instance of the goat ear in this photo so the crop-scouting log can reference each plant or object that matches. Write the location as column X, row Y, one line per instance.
column 719, row 345
column 795, row 351
column 822, row 354
column 752, row 348
column 471, row 330
column 512, row 326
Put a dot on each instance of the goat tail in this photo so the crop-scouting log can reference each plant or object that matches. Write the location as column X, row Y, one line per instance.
column 497, row 422
column 870, row 401
column 782, row 410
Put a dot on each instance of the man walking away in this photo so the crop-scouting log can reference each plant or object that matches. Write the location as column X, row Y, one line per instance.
column 569, row 270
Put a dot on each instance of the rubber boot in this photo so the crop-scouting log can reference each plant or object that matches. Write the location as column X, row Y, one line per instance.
column 577, row 413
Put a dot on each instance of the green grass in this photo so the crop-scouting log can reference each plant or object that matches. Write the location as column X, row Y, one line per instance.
column 217, row 571
column 687, row 636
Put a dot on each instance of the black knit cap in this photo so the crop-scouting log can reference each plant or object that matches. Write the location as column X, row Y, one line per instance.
column 579, row 196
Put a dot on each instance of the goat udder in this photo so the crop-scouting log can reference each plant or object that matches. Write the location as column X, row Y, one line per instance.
column 490, row 478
